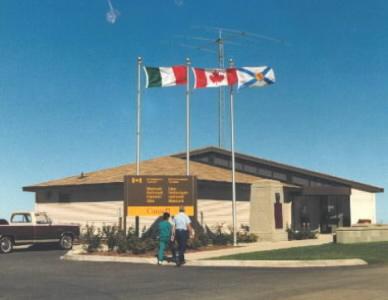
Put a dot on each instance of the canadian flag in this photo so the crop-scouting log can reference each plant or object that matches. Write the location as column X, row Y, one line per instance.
column 205, row 78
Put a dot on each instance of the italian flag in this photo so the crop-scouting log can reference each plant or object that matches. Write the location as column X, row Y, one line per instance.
column 165, row 76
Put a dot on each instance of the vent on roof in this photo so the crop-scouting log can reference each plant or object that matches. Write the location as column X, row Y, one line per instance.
column 82, row 175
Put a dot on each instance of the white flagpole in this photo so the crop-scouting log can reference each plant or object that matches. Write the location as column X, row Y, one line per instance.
column 188, row 63
column 138, row 109
column 233, row 162
column 138, row 132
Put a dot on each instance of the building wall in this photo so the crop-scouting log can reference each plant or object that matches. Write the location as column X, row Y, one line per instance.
column 362, row 206
column 215, row 212
column 103, row 204
column 98, row 213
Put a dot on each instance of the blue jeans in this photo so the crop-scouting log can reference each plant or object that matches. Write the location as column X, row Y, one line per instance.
column 181, row 237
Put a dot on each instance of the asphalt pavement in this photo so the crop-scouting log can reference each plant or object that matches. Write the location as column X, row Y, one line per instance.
column 40, row 274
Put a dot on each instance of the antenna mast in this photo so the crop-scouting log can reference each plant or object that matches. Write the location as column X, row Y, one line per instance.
column 221, row 91
column 225, row 36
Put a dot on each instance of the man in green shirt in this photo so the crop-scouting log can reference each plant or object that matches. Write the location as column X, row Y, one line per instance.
column 164, row 236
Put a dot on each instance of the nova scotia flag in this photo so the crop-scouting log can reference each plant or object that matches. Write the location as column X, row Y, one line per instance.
column 255, row 76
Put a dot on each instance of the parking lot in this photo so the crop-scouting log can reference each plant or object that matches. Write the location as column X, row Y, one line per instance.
column 40, row 274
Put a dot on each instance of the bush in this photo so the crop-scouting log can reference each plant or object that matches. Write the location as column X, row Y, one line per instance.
column 204, row 238
column 219, row 237
column 246, row 237
column 304, row 234
column 139, row 247
column 91, row 239
column 122, row 243
column 194, row 243
column 151, row 244
column 111, row 235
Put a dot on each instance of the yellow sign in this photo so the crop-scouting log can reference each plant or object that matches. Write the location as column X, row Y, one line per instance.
column 158, row 210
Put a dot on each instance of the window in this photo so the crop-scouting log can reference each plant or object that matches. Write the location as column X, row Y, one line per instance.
column 21, row 218
column 64, row 198
column 250, row 169
column 280, row 176
column 300, row 180
column 315, row 183
column 221, row 162
column 265, row 172
column 204, row 159
column 48, row 195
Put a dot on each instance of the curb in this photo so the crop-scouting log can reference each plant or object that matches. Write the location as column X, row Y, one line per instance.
column 224, row 263
column 279, row 263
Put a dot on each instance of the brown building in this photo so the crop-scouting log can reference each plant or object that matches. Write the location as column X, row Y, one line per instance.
column 270, row 196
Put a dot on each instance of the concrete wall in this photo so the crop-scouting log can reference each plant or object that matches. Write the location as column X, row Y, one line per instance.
column 362, row 234
column 262, row 220
column 362, row 206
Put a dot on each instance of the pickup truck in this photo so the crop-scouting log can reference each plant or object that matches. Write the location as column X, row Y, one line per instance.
column 27, row 228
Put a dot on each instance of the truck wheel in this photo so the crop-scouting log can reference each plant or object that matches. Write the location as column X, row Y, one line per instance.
column 66, row 242
column 6, row 245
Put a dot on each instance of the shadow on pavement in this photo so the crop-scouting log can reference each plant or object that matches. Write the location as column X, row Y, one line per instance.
column 37, row 248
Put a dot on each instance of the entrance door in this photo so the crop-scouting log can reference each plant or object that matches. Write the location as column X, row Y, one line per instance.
column 335, row 212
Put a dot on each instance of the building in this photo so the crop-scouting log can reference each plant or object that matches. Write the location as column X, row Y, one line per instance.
column 271, row 196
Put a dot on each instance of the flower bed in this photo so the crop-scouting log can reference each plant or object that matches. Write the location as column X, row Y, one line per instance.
column 110, row 240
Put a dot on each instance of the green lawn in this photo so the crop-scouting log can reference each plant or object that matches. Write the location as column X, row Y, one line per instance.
column 370, row 252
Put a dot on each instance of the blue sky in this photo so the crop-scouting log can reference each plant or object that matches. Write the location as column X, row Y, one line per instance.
column 67, row 86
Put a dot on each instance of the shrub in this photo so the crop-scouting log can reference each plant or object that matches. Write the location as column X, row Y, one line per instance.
column 204, row 238
column 150, row 244
column 194, row 243
column 302, row 234
column 246, row 237
column 219, row 237
column 139, row 247
column 111, row 235
column 122, row 243
column 91, row 239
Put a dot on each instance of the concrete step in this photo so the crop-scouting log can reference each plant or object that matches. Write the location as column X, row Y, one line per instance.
column 280, row 236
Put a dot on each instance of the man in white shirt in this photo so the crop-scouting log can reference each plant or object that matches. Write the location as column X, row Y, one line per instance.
column 183, row 230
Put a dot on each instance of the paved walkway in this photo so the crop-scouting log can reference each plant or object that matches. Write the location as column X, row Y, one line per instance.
column 259, row 246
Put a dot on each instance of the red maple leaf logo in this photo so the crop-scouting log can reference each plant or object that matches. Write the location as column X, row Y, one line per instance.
column 216, row 77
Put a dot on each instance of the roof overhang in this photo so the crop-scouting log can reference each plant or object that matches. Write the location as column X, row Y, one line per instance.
column 288, row 168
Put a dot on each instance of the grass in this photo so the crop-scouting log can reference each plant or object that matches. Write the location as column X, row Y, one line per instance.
column 373, row 253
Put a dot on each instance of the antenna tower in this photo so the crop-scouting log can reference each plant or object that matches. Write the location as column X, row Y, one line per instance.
column 225, row 36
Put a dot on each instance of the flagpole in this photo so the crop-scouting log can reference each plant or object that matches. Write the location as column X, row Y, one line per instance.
column 233, row 162
column 138, row 110
column 188, row 63
column 138, row 131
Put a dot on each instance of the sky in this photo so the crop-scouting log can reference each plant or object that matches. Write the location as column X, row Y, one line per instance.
column 68, row 86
